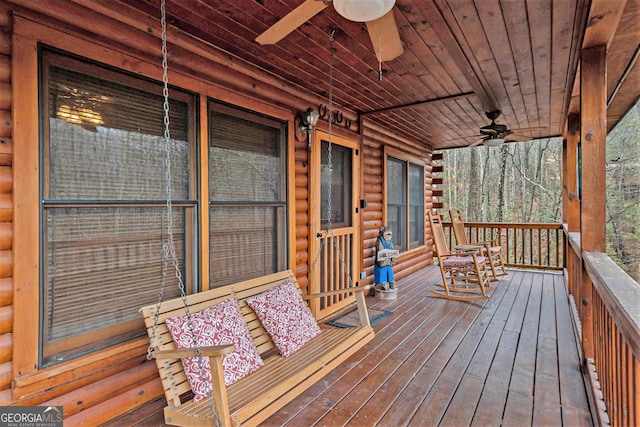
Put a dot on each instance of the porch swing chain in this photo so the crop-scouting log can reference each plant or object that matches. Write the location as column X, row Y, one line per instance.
column 168, row 248
column 332, row 52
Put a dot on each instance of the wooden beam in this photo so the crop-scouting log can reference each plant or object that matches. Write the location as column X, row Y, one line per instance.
column 604, row 17
column 570, row 193
column 593, row 135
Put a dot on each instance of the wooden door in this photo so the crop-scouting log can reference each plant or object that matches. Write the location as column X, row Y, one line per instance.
column 335, row 247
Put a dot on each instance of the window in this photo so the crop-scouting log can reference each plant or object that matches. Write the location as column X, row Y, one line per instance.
column 339, row 178
column 405, row 202
column 247, row 173
column 103, row 213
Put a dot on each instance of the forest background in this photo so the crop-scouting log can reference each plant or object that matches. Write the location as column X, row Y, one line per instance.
column 521, row 182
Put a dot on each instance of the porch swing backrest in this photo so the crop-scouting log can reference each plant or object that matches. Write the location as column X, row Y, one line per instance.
column 260, row 394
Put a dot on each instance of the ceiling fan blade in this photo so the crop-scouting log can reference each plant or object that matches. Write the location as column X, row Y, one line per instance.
column 291, row 21
column 516, row 137
column 478, row 142
column 385, row 37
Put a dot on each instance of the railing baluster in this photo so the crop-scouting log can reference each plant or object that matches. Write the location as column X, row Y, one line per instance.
column 524, row 245
column 634, row 379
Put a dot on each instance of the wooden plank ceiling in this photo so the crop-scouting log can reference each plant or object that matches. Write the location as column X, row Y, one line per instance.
column 461, row 58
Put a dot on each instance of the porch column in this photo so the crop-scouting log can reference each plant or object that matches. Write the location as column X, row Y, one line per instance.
column 571, row 207
column 570, row 194
column 593, row 133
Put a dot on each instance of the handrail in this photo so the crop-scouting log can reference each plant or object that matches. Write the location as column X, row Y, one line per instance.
column 539, row 246
column 610, row 319
column 607, row 319
column 620, row 295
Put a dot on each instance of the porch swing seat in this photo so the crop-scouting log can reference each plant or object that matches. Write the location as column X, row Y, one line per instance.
column 259, row 395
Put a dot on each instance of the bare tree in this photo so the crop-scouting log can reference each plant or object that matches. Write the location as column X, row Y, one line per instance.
column 474, row 195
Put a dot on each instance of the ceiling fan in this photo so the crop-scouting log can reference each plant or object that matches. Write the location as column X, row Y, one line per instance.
column 377, row 14
column 494, row 134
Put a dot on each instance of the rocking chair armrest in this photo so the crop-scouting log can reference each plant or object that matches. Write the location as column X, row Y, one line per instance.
column 464, row 252
column 493, row 242
column 337, row 292
column 179, row 353
column 469, row 247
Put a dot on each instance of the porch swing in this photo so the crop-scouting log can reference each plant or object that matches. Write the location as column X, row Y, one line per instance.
column 253, row 398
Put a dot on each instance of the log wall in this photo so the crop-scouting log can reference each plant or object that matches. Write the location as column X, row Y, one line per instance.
column 6, row 211
column 106, row 384
column 374, row 141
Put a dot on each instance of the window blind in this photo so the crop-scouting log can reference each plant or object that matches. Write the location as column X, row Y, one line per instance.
column 247, row 195
column 103, row 192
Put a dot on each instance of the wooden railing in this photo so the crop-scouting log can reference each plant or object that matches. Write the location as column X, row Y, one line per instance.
column 608, row 310
column 539, row 246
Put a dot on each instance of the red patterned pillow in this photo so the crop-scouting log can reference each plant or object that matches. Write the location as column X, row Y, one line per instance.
column 285, row 316
column 217, row 325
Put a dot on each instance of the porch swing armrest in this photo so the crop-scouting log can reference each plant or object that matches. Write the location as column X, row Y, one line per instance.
column 179, row 353
column 337, row 292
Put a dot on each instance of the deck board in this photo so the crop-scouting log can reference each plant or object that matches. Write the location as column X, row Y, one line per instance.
column 508, row 360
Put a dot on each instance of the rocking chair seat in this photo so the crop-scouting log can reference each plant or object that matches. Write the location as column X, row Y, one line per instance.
column 493, row 250
column 460, row 261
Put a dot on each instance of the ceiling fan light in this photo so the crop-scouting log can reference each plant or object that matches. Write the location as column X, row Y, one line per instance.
column 493, row 142
column 363, row 10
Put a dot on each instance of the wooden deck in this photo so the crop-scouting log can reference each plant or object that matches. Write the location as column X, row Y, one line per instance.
column 510, row 360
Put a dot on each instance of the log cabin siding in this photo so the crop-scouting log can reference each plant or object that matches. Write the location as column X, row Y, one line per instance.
column 106, row 384
column 6, row 211
column 374, row 141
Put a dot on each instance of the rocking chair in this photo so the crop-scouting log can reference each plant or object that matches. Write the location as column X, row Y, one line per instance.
column 465, row 275
column 491, row 249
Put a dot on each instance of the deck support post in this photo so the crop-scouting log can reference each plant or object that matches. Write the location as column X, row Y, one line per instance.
column 570, row 192
column 593, row 133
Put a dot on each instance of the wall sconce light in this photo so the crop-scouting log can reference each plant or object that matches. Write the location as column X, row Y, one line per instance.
column 308, row 120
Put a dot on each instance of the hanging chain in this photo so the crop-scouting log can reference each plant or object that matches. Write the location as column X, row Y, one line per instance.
column 168, row 248
column 329, row 228
column 332, row 33
column 330, row 165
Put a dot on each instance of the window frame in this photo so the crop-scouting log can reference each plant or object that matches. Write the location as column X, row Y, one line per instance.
column 71, row 347
column 344, row 192
column 408, row 161
column 282, row 206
